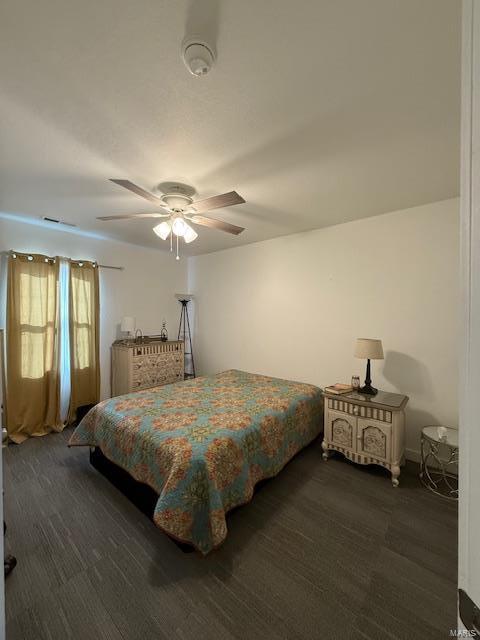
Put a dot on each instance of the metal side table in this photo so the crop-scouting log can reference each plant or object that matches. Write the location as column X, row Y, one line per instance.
column 439, row 462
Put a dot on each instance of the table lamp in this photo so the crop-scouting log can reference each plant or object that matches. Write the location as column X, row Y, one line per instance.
column 369, row 349
column 128, row 326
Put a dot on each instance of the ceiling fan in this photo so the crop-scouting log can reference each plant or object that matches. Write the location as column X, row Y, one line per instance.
column 180, row 209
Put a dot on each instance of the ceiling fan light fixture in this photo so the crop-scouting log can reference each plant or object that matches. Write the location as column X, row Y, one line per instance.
column 177, row 201
column 190, row 234
column 179, row 226
column 162, row 230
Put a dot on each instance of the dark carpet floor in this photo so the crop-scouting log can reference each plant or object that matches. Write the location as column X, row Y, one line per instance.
column 325, row 550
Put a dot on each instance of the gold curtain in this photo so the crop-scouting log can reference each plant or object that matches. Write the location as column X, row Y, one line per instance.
column 84, row 335
column 33, row 384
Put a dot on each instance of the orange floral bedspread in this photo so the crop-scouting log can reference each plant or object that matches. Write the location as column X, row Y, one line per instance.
column 203, row 444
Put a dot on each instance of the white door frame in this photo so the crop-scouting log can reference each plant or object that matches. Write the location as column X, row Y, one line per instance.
column 469, row 471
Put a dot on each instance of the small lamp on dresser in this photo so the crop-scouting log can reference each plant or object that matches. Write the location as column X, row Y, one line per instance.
column 368, row 349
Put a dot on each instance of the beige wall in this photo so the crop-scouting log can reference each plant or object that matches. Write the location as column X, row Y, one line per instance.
column 292, row 307
column 144, row 289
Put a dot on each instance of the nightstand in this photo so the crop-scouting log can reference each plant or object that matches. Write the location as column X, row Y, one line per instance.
column 366, row 429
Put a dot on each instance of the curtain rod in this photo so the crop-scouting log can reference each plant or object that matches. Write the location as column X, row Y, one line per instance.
column 107, row 266
column 100, row 266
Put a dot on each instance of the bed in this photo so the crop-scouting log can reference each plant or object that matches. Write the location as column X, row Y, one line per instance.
column 202, row 445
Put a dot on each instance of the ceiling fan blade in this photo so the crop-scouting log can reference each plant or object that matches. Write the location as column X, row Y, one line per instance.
column 217, row 224
column 143, row 193
column 135, row 215
column 215, row 202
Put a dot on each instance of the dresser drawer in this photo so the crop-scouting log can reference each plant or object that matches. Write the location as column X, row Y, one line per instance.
column 344, row 406
column 142, row 379
column 374, row 438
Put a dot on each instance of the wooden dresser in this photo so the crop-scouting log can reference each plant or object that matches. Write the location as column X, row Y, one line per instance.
column 367, row 429
column 138, row 366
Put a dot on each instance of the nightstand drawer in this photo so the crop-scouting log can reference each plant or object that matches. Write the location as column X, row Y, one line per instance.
column 360, row 410
column 341, row 430
column 374, row 438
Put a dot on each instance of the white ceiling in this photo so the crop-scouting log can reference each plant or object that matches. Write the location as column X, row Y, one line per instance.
column 317, row 111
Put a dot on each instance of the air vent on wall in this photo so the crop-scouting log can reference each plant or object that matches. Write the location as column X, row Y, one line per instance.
column 67, row 224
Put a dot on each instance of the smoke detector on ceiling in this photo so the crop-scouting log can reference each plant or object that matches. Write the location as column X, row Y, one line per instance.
column 198, row 56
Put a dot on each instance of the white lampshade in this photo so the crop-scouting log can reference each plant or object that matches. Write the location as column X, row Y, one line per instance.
column 162, row 230
column 369, row 349
column 127, row 325
column 179, row 226
column 190, row 234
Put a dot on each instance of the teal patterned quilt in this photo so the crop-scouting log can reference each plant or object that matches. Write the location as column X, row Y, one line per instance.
column 203, row 444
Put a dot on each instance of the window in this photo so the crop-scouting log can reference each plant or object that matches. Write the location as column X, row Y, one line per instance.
column 82, row 311
column 37, row 302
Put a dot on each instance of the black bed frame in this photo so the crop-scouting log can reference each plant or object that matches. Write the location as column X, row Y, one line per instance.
column 141, row 495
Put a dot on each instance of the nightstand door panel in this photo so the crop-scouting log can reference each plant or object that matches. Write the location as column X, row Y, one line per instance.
column 374, row 438
column 342, row 430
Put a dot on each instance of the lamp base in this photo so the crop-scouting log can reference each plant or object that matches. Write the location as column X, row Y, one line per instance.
column 368, row 390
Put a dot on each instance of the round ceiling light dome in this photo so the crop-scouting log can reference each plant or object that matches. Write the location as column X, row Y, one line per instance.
column 198, row 56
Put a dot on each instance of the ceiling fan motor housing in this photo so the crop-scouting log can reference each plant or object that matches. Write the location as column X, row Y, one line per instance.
column 198, row 56
column 177, row 201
